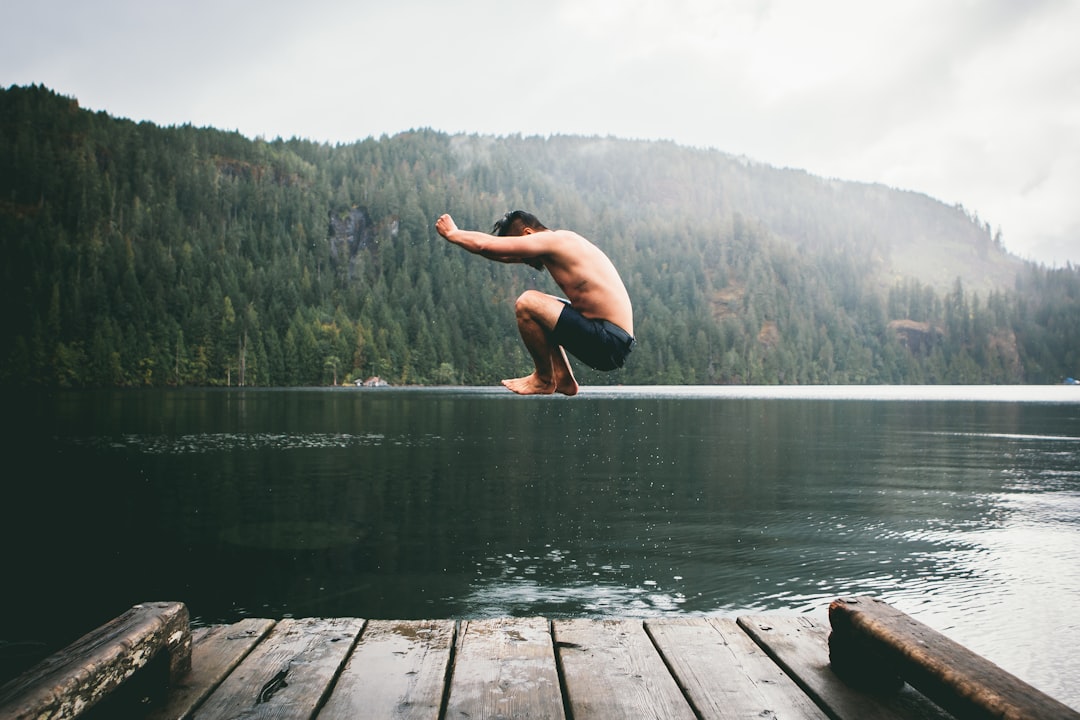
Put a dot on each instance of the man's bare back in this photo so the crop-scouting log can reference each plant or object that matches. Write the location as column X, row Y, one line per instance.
column 581, row 270
column 589, row 279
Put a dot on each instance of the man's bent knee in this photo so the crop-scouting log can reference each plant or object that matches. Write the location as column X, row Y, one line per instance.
column 537, row 306
column 531, row 302
column 529, row 298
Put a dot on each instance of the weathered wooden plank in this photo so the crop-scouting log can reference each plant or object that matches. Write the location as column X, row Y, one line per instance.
column 504, row 668
column 288, row 673
column 82, row 674
column 725, row 674
column 799, row 645
column 215, row 652
column 866, row 630
column 398, row 670
column 612, row 670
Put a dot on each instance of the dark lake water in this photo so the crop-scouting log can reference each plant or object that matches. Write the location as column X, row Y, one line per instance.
column 961, row 506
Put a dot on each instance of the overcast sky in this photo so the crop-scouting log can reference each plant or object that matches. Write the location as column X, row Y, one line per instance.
column 971, row 102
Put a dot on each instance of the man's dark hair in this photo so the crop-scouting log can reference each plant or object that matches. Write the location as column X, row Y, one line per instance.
column 514, row 223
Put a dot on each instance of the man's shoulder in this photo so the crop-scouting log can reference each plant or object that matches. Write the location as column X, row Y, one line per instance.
column 568, row 236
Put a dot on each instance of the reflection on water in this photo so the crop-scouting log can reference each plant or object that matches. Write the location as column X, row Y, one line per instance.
column 959, row 505
column 228, row 442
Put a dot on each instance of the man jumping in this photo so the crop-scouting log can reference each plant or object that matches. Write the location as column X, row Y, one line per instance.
column 596, row 323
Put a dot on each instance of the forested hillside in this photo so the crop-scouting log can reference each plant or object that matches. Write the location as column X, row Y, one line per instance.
column 141, row 255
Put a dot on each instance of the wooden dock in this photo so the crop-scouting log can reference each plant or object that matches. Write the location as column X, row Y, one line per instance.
column 756, row 666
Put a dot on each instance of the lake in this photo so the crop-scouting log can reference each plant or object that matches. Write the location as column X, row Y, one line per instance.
column 959, row 505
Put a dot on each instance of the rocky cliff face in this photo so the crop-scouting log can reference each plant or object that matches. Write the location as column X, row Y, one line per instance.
column 918, row 337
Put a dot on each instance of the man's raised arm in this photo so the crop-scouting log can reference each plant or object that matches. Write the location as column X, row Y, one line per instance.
column 515, row 249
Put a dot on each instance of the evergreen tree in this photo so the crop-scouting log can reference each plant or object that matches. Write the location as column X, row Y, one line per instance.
column 139, row 255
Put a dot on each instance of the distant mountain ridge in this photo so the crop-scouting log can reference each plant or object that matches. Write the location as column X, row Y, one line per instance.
column 902, row 234
column 146, row 255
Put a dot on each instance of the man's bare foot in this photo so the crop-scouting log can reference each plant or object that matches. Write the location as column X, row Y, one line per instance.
column 568, row 386
column 565, row 382
column 530, row 385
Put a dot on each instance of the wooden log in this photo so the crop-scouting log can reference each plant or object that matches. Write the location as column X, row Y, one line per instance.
column 866, row 630
column 799, row 645
column 398, row 670
column 215, row 652
column 612, row 670
column 504, row 668
column 725, row 674
column 288, row 674
column 78, row 677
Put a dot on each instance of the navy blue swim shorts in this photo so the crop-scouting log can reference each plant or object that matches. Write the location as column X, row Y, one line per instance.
column 600, row 344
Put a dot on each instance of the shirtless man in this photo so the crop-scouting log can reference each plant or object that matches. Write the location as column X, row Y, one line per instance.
column 596, row 324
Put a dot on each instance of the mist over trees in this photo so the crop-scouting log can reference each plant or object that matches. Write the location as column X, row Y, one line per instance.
column 138, row 255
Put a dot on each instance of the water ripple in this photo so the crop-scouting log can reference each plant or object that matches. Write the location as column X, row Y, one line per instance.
column 203, row 443
column 514, row 584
